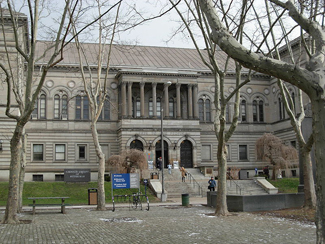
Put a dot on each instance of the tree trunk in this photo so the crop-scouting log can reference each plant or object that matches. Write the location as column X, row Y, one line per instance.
column 309, row 185
column 318, row 108
column 222, row 208
column 12, row 201
column 22, row 171
column 101, row 169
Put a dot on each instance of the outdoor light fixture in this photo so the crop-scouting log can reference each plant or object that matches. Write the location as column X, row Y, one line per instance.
column 162, row 144
column 175, row 145
column 150, row 144
column 0, row 145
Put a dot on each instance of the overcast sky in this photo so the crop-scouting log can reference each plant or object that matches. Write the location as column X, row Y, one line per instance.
column 158, row 32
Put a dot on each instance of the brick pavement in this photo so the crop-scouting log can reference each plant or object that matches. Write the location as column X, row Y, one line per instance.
column 164, row 223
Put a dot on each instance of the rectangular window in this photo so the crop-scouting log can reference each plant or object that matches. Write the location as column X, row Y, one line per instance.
column 37, row 177
column 158, row 108
column 60, row 152
column 206, row 152
column 243, row 152
column 138, row 108
column 38, row 153
column 150, row 108
column 59, row 177
column 82, row 152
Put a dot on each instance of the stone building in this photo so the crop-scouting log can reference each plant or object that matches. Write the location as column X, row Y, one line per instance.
column 142, row 81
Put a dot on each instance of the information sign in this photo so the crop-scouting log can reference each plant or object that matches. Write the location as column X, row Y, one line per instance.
column 125, row 181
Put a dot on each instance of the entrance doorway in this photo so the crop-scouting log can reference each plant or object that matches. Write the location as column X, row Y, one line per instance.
column 186, row 154
column 159, row 154
column 136, row 144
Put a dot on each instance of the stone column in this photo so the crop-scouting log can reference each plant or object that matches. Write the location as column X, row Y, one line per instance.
column 130, row 99
column 195, row 101
column 123, row 98
column 178, row 101
column 190, row 101
column 154, row 99
column 142, row 99
column 166, row 101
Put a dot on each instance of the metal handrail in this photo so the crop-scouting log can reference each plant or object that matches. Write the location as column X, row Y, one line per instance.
column 195, row 183
column 237, row 186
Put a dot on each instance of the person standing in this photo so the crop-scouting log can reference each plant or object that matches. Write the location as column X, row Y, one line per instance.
column 169, row 168
column 159, row 163
column 212, row 184
column 183, row 173
column 266, row 172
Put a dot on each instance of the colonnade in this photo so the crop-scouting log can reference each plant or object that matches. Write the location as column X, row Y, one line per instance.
column 192, row 99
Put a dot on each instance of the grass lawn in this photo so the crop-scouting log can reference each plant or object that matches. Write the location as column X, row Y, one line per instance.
column 78, row 192
column 286, row 185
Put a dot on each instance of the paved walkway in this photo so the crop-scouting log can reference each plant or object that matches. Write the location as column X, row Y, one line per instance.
column 163, row 223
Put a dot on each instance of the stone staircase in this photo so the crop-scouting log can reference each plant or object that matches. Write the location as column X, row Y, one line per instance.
column 196, row 184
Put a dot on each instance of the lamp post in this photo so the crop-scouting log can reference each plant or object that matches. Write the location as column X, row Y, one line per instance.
column 163, row 197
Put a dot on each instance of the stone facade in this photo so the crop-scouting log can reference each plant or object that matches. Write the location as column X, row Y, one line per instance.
column 142, row 81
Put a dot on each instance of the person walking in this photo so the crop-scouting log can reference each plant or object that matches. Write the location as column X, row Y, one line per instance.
column 183, row 173
column 212, row 184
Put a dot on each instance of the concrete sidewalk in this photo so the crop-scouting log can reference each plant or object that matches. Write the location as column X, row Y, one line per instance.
column 167, row 222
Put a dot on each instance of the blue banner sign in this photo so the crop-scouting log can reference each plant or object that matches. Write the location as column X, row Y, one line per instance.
column 125, row 181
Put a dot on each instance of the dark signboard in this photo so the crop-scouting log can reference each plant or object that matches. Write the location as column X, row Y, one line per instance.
column 76, row 175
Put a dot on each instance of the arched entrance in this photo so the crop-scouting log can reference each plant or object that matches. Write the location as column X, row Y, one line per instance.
column 186, row 154
column 159, row 154
column 136, row 144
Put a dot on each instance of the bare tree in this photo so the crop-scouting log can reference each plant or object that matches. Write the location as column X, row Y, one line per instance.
column 309, row 79
column 96, row 85
column 22, row 52
column 22, row 86
column 219, row 66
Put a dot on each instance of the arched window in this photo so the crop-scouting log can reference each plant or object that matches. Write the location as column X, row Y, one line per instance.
column 293, row 102
column 201, row 109
column 243, row 111
column 281, row 109
column 85, row 115
column 60, row 107
column 261, row 110
column 204, row 106
column 56, row 107
column 227, row 113
column 82, row 108
column 39, row 111
column 136, row 144
column 258, row 111
column 171, row 108
column 207, row 110
column 105, row 113
column 78, row 107
column 42, row 106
